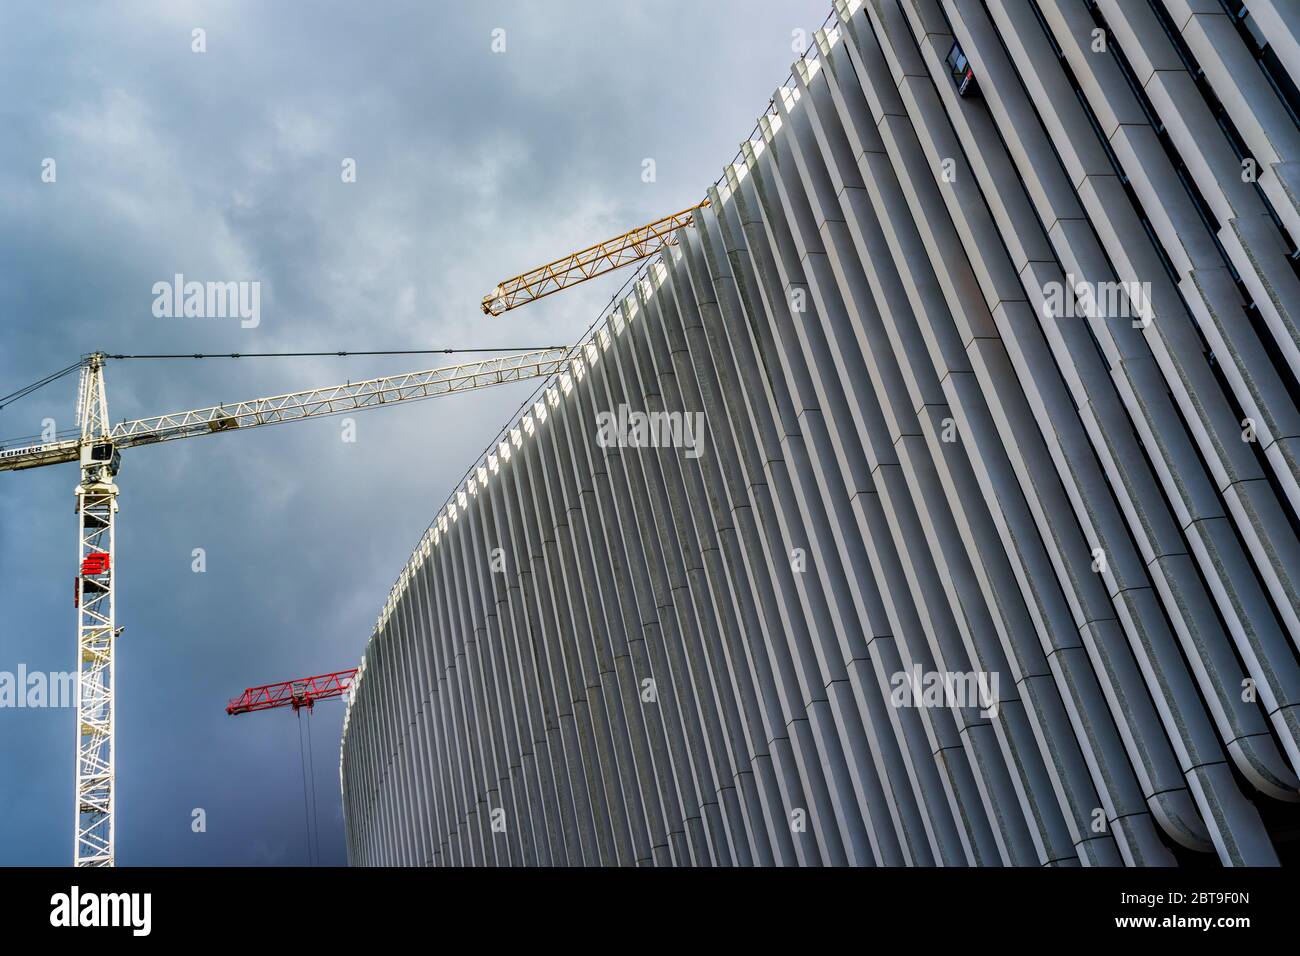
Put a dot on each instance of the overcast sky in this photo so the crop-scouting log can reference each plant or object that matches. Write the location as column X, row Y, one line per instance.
column 226, row 165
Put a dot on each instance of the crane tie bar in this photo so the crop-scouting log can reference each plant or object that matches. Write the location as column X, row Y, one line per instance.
column 235, row 355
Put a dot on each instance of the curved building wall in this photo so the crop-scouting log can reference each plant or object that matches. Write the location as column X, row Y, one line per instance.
column 932, row 502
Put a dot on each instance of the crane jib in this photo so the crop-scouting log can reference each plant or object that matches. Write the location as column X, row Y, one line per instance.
column 29, row 456
column 16, row 452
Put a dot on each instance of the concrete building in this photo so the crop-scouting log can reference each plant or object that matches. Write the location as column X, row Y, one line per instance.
column 932, row 502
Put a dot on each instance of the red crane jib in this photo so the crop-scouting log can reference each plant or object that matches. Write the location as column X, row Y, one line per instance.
column 303, row 692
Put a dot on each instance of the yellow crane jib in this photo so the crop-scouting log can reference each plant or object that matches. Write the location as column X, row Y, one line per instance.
column 632, row 246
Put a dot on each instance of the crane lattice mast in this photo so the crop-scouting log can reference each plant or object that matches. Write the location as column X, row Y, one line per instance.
column 96, row 627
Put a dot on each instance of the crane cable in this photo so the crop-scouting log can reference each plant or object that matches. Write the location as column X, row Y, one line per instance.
column 26, row 390
column 235, row 355
column 311, row 773
column 55, row 376
column 302, row 762
column 41, row 383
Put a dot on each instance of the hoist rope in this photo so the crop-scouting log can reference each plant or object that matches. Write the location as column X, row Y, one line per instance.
column 311, row 773
column 302, row 761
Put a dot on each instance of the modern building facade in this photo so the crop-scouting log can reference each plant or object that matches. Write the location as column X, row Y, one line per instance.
column 932, row 502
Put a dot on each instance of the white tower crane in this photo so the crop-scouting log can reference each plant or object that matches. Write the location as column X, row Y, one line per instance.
column 98, row 449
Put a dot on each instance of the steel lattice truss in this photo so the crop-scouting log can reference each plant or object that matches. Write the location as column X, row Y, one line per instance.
column 336, row 399
column 631, row 246
column 310, row 403
column 303, row 692
column 96, row 505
